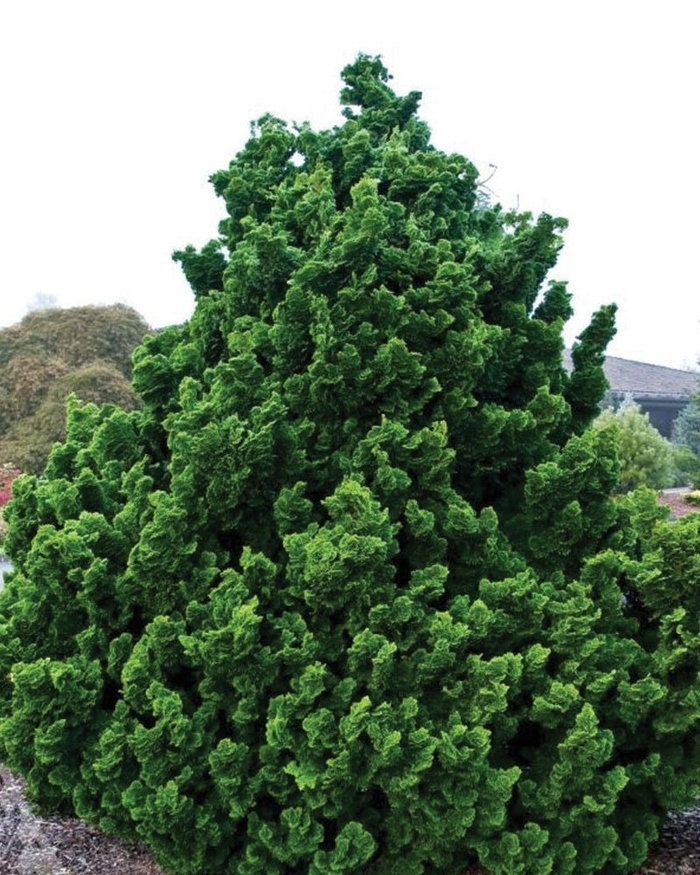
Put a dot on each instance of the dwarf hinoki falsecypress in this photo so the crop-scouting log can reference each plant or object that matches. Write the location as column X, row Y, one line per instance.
column 348, row 593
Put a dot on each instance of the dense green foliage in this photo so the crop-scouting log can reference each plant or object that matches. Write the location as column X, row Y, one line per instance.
column 686, row 467
column 646, row 457
column 51, row 354
column 349, row 593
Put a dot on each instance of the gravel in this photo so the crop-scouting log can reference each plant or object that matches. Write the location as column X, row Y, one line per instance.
column 33, row 845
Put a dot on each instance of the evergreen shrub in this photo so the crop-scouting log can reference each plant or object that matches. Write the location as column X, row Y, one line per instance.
column 686, row 428
column 646, row 457
column 686, row 467
column 686, row 438
column 348, row 593
column 52, row 353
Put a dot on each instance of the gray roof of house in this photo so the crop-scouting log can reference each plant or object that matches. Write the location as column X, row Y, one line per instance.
column 644, row 380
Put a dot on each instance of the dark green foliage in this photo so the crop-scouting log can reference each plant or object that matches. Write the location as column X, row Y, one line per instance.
column 349, row 594
column 51, row 354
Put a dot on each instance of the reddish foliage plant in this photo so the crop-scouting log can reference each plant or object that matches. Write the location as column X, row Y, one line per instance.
column 8, row 473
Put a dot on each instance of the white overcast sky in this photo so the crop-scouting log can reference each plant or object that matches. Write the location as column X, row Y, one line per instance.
column 113, row 116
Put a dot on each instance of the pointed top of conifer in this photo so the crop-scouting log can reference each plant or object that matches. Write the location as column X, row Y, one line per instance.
column 366, row 87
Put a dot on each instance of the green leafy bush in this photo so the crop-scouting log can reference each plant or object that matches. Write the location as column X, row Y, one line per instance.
column 348, row 594
column 687, row 467
column 646, row 457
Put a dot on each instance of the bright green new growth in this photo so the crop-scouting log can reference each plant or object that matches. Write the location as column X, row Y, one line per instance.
column 349, row 593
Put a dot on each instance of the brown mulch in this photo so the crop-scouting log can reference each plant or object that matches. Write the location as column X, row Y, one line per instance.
column 678, row 850
column 34, row 845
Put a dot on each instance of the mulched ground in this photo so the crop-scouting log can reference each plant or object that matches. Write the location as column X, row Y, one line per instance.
column 673, row 499
column 32, row 845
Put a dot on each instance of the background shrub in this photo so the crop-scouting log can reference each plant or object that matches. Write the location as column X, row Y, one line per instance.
column 646, row 457
column 686, row 428
column 686, row 439
column 687, row 467
column 52, row 353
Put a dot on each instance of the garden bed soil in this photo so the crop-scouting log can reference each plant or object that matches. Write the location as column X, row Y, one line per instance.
column 674, row 500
